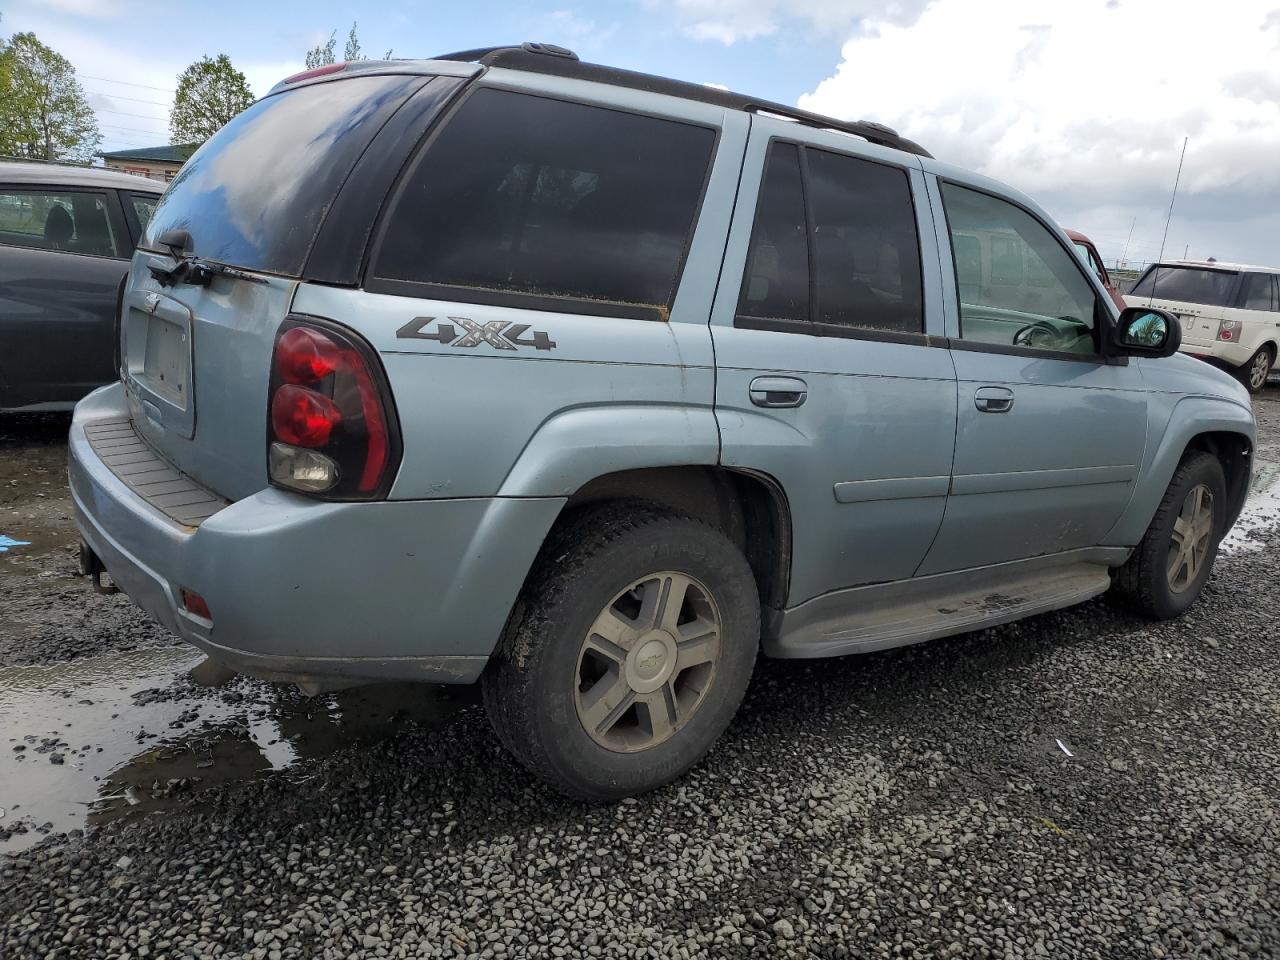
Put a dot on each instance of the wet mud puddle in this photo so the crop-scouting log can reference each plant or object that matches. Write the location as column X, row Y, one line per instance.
column 1260, row 515
column 88, row 741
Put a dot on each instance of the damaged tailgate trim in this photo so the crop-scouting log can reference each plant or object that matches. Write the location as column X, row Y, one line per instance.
column 149, row 475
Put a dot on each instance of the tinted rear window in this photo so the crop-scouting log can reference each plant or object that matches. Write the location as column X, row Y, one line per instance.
column 529, row 195
column 255, row 194
column 1212, row 288
column 865, row 246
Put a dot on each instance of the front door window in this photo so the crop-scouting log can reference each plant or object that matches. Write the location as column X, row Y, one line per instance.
column 1019, row 287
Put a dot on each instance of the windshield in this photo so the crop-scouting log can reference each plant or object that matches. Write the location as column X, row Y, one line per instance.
column 255, row 194
column 1212, row 288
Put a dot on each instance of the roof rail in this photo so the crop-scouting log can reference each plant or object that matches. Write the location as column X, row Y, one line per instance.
column 868, row 130
column 547, row 58
column 483, row 54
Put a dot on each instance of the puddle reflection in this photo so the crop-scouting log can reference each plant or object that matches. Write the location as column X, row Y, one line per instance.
column 89, row 741
column 1261, row 512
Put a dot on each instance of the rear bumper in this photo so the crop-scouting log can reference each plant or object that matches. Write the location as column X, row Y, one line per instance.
column 1228, row 354
column 309, row 591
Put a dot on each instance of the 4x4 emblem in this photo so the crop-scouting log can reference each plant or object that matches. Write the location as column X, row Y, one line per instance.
column 499, row 334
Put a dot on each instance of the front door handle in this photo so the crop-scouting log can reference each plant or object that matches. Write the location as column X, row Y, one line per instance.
column 778, row 391
column 993, row 399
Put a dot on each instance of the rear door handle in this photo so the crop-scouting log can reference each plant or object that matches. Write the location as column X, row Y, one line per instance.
column 993, row 399
column 778, row 391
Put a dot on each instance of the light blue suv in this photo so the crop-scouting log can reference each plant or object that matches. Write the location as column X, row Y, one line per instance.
column 588, row 384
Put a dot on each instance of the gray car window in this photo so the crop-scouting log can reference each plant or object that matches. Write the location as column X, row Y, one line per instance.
column 866, row 249
column 1257, row 292
column 528, row 195
column 1211, row 287
column 143, row 208
column 776, row 285
column 255, row 194
column 70, row 221
column 1018, row 286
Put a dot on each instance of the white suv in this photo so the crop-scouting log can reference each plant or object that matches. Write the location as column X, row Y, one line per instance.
column 1230, row 312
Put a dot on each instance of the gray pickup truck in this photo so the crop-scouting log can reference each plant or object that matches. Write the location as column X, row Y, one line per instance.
column 589, row 385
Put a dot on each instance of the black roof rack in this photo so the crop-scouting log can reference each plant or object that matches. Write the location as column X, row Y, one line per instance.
column 549, row 59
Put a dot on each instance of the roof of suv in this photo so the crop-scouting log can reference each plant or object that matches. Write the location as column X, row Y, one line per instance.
column 1218, row 265
column 69, row 176
column 549, row 59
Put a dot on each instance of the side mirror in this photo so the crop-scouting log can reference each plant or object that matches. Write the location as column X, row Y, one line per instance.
column 1147, row 332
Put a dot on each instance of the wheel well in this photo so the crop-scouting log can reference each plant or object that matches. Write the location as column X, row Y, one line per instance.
column 749, row 508
column 1235, row 454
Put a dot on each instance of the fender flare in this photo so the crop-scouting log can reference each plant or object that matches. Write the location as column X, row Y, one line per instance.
column 1190, row 417
column 580, row 444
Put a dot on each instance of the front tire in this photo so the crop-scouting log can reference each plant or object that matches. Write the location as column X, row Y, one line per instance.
column 628, row 653
column 1169, row 568
column 1255, row 372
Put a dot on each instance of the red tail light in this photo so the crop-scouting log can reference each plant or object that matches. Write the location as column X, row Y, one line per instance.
column 303, row 417
column 332, row 429
column 304, row 355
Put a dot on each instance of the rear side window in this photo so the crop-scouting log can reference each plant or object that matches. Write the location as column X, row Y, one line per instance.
column 847, row 225
column 143, row 207
column 1259, row 292
column 865, row 248
column 1213, row 288
column 777, row 281
column 71, row 221
column 255, row 194
column 527, row 195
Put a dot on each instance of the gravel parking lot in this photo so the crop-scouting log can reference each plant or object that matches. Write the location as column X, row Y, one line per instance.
column 1083, row 784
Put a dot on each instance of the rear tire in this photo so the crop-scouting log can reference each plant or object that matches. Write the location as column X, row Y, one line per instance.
column 601, row 685
column 1255, row 372
column 1169, row 568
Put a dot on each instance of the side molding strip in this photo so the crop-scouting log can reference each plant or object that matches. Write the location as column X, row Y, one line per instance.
column 897, row 488
column 1040, row 479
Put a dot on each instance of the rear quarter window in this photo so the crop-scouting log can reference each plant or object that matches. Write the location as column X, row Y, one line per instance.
column 255, row 194
column 537, row 197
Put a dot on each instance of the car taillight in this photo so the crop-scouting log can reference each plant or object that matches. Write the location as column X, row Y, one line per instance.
column 1229, row 330
column 331, row 427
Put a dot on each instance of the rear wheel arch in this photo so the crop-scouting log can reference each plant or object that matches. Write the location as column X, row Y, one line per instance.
column 750, row 508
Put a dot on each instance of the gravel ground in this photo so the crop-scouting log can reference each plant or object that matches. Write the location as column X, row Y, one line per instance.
column 911, row 803
column 46, row 612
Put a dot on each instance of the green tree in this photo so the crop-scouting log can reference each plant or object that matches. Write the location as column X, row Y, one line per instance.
column 321, row 55
column 352, row 51
column 210, row 92
column 44, row 114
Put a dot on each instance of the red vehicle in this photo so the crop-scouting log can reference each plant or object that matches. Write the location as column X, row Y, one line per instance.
column 1090, row 254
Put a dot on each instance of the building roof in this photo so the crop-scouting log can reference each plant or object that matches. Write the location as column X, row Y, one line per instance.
column 69, row 176
column 170, row 153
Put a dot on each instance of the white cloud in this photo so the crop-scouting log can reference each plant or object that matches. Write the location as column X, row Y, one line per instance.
column 1085, row 106
column 566, row 23
column 731, row 21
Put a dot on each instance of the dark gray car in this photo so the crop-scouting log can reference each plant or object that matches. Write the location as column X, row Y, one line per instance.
column 66, row 236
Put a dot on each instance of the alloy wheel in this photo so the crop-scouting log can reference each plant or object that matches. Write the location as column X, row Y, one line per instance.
column 1191, row 537
column 1259, row 369
column 647, row 662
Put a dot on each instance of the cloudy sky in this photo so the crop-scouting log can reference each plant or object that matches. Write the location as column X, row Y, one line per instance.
column 1082, row 103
